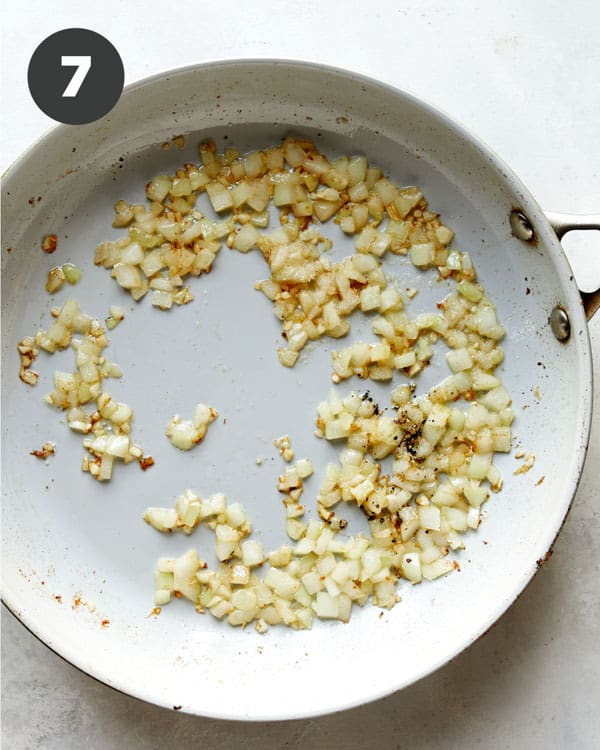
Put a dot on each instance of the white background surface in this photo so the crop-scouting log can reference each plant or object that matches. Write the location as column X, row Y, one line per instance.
column 524, row 77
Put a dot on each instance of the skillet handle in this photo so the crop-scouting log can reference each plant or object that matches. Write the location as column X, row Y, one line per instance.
column 563, row 223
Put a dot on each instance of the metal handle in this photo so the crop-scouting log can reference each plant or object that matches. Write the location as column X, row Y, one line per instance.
column 563, row 223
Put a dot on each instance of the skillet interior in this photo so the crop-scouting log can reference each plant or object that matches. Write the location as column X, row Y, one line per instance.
column 76, row 536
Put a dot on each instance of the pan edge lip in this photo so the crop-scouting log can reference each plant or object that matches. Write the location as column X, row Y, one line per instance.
column 583, row 348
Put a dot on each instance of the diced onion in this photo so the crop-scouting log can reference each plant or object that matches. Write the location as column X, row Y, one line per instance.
column 442, row 455
column 185, row 434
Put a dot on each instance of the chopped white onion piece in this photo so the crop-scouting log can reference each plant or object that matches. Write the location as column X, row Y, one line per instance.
column 416, row 516
column 186, row 434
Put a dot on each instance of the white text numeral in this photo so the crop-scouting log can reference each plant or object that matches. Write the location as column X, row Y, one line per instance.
column 82, row 63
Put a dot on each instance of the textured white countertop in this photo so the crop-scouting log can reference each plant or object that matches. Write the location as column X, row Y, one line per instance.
column 524, row 77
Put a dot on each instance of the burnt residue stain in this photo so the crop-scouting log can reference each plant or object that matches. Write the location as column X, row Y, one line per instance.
column 49, row 243
column 146, row 462
column 543, row 560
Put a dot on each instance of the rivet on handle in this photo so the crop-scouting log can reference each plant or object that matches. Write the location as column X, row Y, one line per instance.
column 560, row 323
column 521, row 226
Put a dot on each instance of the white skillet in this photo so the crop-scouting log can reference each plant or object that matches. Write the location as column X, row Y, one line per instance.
column 63, row 535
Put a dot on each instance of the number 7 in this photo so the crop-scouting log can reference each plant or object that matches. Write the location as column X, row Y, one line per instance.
column 83, row 63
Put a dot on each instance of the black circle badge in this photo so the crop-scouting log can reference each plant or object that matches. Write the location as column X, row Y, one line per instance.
column 75, row 76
